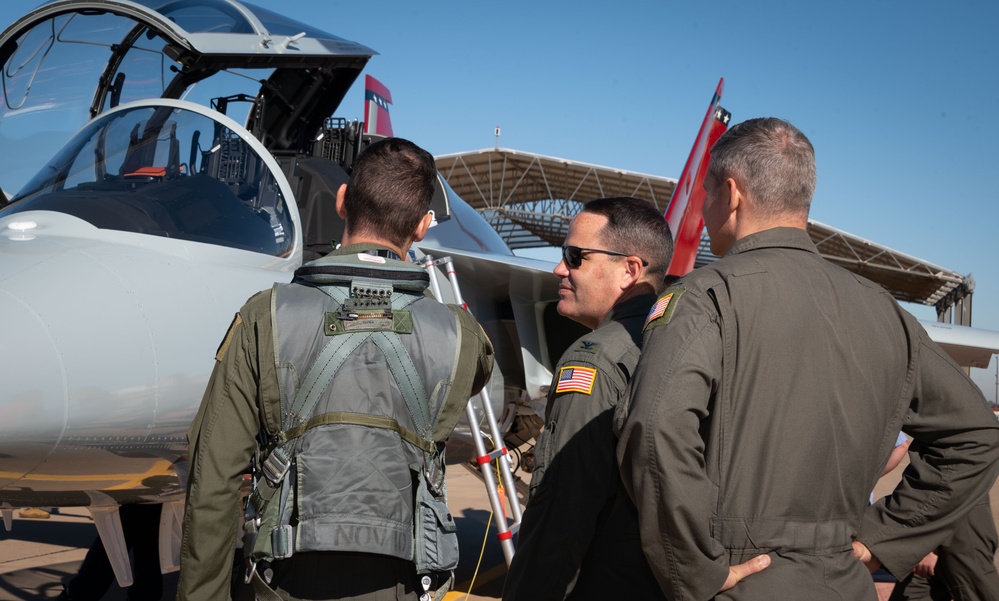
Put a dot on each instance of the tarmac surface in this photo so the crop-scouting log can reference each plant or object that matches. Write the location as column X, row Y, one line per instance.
column 36, row 556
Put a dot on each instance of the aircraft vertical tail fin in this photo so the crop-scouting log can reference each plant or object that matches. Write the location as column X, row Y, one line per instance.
column 684, row 211
column 377, row 99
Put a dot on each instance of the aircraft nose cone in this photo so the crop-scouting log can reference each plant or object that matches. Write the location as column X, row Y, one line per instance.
column 32, row 395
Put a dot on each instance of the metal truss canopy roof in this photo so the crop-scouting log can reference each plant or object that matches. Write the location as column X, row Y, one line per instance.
column 530, row 199
column 908, row 278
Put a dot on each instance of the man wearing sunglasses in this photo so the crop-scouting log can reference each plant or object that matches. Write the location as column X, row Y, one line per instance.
column 771, row 388
column 579, row 536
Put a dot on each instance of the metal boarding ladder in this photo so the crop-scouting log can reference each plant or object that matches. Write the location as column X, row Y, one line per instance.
column 505, row 530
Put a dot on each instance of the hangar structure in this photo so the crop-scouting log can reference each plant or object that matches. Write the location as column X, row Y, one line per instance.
column 530, row 199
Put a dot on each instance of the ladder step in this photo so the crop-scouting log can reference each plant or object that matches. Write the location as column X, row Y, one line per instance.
column 489, row 457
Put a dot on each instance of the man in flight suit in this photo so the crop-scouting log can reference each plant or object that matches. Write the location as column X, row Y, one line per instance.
column 579, row 536
column 358, row 456
column 962, row 568
column 770, row 392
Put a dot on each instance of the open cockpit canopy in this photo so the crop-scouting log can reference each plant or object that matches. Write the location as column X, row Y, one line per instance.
column 170, row 169
column 69, row 60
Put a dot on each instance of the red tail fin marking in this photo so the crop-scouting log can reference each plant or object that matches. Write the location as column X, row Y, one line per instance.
column 684, row 211
column 377, row 99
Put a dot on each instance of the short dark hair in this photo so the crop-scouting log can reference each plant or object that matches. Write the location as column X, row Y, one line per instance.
column 771, row 160
column 390, row 189
column 637, row 228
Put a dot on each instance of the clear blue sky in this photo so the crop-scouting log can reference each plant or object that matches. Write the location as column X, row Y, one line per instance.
column 898, row 98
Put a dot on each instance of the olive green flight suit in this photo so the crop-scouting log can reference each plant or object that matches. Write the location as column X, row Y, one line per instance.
column 579, row 535
column 965, row 569
column 768, row 398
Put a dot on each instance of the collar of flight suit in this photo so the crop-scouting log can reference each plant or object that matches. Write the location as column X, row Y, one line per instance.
column 778, row 237
column 636, row 306
column 365, row 260
column 366, row 247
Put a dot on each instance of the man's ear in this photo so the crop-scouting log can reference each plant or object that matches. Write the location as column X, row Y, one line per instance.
column 422, row 227
column 341, row 194
column 634, row 271
column 734, row 194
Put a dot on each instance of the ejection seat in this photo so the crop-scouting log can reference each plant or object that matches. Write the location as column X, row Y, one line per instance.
column 322, row 227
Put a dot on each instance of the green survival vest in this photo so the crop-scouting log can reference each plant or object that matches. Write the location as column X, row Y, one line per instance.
column 365, row 362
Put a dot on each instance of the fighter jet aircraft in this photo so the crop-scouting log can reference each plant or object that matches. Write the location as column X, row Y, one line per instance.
column 129, row 244
column 205, row 170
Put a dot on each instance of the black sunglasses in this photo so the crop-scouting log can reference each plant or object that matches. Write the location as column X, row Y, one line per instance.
column 573, row 255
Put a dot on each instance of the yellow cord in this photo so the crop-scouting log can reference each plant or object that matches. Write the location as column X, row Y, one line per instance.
column 501, row 492
column 482, row 551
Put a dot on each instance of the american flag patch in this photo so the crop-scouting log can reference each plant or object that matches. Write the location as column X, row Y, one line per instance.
column 576, row 379
column 659, row 308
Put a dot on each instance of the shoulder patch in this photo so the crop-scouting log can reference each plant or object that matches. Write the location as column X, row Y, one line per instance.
column 575, row 378
column 220, row 353
column 663, row 308
column 587, row 346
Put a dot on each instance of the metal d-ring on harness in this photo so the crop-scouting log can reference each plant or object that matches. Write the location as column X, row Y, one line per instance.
column 505, row 529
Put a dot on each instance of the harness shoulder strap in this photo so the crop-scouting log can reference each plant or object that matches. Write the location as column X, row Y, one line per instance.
column 321, row 374
column 406, row 378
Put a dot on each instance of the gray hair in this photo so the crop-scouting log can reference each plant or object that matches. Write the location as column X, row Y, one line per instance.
column 772, row 161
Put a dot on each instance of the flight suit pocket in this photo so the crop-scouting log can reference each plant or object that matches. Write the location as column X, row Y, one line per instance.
column 544, row 450
column 436, row 536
